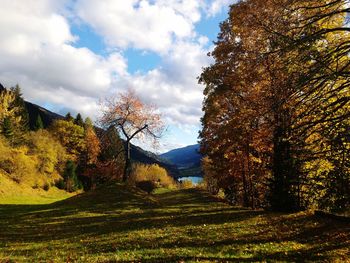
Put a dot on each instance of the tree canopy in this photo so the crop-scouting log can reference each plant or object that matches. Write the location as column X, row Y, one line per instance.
column 277, row 105
column 133, row 119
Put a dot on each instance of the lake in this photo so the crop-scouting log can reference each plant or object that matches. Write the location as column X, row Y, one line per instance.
column 194, row 179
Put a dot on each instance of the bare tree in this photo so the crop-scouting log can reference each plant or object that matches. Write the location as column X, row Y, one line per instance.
column 133, row 119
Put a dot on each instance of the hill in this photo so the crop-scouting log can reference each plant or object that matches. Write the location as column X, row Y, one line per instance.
column 187, row 160
column 137, row 153
column 122, row 224
column 46, row 116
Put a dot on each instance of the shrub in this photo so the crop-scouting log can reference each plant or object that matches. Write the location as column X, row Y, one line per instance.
column 158, row 175
column 147, row 186
column 185, row 184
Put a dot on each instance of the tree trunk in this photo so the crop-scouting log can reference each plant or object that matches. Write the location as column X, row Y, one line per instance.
column 127, row 167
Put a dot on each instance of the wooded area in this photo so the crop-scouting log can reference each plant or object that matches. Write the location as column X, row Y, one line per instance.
column 277, row 114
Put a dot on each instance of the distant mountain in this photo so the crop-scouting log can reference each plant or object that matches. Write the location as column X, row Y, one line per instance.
column 184, row 157
column 187, row 160
column 46, row 116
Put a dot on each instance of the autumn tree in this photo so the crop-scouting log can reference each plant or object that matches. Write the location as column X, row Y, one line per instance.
column 133, row 119
column 70, row 135
column 273, row 97
column 50, row 153
column 13, row 113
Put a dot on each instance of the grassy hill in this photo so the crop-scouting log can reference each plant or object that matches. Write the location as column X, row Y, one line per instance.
column 15, row 193
column 119, row 224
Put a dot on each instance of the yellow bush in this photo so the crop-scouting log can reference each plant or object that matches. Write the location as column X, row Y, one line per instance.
column 154, row 173
column 16, row 163
column 185, row 184
column 21, row 165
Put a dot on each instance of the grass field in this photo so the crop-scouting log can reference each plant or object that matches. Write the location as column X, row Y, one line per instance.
column 15, row 193
column 125, row 225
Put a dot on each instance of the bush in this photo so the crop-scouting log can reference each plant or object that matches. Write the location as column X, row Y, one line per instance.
column 158, row 175
column 185, row 184
column 147, row 186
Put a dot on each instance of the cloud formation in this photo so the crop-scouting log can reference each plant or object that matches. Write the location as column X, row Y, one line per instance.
column 39, row 51
column 140, row 24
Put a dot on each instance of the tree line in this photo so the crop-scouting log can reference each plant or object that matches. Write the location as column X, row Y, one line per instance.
column 276, row 128
column 72, row 153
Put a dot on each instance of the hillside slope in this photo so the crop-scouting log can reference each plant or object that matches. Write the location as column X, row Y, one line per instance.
column 137, row 153
column 15, row 193
column 120, row 224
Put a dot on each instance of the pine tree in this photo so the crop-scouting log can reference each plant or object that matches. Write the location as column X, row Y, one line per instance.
column 69, row 117
column 88, row 123
column 19, row 102
column 7, row 129
column 79, row 120
column 38, row 123
column 70, row 177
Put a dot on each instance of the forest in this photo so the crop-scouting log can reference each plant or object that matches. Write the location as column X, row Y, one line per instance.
column 71, row 154
column 276, row 119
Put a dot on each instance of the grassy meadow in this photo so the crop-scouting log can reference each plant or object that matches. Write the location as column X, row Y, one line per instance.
column 119, row 224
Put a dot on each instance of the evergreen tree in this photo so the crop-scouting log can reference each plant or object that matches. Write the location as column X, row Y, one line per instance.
column 79, row 120
column 88, row 123
column 69, row 117
column 70, row 177
column 19, row 102
column 7, row 129
column 38, row 123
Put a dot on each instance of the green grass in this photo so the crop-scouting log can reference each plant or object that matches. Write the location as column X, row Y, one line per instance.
column 21, row 193
column 115, row 224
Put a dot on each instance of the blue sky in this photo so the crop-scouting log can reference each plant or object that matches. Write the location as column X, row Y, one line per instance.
column 68, row 55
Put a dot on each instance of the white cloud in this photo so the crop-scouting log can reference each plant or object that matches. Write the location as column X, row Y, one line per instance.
column 174, row 87
column 37, row 52
column 141, row 24
column 217, row 6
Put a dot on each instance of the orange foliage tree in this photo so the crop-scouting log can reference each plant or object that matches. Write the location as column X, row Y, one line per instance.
column 133, row 119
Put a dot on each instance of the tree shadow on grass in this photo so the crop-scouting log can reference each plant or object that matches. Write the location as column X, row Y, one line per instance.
column 114, row 218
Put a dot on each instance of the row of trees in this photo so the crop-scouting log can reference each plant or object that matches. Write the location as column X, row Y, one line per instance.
column 69, row 147
column 83, row 154
column 277, row 114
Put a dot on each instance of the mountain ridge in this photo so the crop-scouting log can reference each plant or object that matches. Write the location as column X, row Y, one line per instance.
column 187, row 159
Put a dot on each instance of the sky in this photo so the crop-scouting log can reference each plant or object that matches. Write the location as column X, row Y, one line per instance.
column 69, row 55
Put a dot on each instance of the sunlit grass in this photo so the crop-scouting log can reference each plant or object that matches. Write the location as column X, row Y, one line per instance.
column 119, row 224
column 14, row 193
